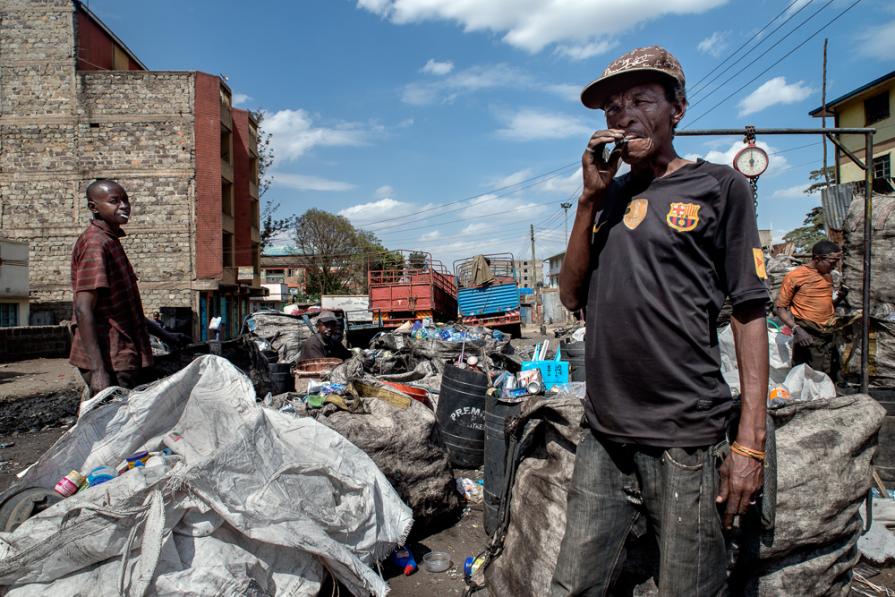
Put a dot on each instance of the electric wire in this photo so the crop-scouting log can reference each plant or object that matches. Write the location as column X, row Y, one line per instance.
column 778, row 61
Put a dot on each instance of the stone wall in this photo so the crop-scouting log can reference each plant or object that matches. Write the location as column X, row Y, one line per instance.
column 60, row 129
column 22, row 343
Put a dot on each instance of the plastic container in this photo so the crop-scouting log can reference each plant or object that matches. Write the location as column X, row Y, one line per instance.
column 403, row 559
column 100, row 475
column 437, row 561
column 69, row 484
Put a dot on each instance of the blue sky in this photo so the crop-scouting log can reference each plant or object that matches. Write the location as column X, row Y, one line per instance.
column 453, row 126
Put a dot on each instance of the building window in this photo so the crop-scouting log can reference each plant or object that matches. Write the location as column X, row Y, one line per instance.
column 274, row 276
column 882, row 166
column 226, row 143
column 226, row 197
column 9, row 315
column 876, row 108
column 227, row 249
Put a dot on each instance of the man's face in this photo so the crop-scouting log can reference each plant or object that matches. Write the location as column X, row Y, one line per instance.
column 111, row 204
column 827, row 263
column 646, row 117
column 328, row 329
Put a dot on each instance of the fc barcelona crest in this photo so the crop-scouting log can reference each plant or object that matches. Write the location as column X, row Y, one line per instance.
column 683, row 217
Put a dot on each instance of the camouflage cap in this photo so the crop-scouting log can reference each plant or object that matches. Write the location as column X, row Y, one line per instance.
column 631, row 68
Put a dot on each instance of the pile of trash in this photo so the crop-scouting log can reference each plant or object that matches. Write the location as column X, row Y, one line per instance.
column 882, row 291
column 189, row 486
column 284, row 334
column 777, row 267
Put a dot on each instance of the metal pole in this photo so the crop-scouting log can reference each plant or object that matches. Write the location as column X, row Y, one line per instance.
column 868, row 245
column 534, row 265
column 565, row 207
column 800, row 131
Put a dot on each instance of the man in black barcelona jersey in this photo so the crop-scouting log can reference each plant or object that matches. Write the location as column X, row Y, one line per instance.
column 652, row 256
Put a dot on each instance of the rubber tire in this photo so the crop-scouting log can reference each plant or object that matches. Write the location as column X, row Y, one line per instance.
column 21, row 506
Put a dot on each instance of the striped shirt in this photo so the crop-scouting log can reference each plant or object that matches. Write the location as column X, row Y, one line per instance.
column 99, row 263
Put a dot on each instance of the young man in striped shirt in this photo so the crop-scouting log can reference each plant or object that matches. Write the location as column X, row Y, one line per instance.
column 110, row 342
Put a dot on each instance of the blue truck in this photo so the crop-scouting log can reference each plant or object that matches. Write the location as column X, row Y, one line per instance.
column 488, row 292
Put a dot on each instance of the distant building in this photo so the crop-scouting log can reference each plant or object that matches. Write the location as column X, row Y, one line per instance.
column 530, row 273
column 78, row 105
column 554, row 264
column 13, row 283
column 288, row 269
column 867, row 106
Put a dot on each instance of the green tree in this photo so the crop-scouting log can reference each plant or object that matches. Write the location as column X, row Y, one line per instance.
column 339, row 255
column 417, row 260
column 812, row 231
column 818, row 180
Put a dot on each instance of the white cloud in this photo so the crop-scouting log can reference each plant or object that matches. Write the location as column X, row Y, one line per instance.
column 529, row 125
column 565, row 185
column 714, row 44
column 302, row 182
column 385, row 191
column 772, row 92
column 776, row 163
column 373, row 211
column 585, row 51
column 431, row 235
column 510, row 208
column 532, row 25
column 434, row 67
column 566, row 91
column 794, row 192
column 240, row 98
column 475, row 78
column 878, row 41
column 294, row 133
column 796, row 6
column 508, row 180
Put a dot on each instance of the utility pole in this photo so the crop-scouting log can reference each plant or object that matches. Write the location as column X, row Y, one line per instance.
column 565, row 207
column 823, row 114
column 534, row 265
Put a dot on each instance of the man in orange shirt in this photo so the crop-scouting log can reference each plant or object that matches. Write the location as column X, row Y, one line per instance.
column 805, row 304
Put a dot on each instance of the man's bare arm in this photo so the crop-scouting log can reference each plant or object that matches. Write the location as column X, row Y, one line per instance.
column 597, row 174
column 85, row 303
column 742, row 476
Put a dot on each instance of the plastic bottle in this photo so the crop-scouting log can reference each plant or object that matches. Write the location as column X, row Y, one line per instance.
column 402, row 557
column 101, row 474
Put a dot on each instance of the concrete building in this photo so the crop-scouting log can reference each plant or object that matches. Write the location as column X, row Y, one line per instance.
column 554, row 264
column 530, row 273
column 867, row 106
column 288, row 269
column 76, row 105
column 13, row 283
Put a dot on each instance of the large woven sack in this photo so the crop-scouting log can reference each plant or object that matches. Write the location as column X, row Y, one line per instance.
column 882, row 269
column 824, row 449
column 405, row 446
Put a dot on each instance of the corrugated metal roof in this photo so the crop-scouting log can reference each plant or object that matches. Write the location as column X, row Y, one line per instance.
column 489, row 299
column 835, row 200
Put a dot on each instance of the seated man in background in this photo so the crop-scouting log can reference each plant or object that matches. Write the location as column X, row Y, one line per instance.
column 327, row 342
column 805, row 304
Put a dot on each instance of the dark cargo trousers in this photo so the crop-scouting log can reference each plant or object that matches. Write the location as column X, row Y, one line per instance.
column 675, row 489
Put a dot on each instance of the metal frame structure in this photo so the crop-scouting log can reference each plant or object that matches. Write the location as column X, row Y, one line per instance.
column 831, row 133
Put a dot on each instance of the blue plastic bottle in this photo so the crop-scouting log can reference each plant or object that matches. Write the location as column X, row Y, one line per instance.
column 402, row 557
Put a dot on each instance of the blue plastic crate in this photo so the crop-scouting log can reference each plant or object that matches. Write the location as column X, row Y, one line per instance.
column 552, row 372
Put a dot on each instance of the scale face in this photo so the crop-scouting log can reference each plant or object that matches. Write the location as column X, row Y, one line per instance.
column 751, row 161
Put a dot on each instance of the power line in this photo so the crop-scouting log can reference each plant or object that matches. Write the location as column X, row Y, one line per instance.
column 760, row 42
column 746, row 43
column 781, row 59
column 512, row 188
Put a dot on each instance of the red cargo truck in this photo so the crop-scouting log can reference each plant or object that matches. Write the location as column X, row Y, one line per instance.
column 420, row 287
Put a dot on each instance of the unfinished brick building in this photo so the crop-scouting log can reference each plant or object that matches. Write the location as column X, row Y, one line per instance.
column 76, row 105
